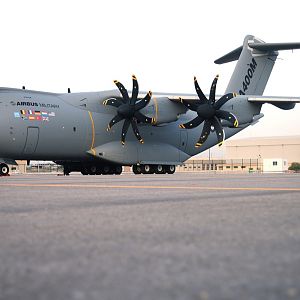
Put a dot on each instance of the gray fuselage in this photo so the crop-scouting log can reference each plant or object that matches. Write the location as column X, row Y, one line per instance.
column 72, row 127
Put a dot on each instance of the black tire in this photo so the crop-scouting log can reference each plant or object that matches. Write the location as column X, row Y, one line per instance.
column 147, row 169
column 84, row 171
column 106, row 170
column 170, row 169
column 92, row 170
column 136, row 169
column 4, row 169
column 99, row 170
column 112, row 170
column 159, row 169
column 118, row 170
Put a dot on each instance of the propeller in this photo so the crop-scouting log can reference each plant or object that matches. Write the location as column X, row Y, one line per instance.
column 128, row 109
column 209, row 112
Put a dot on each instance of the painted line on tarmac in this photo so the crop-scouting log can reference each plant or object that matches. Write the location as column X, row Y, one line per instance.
column 103, row 186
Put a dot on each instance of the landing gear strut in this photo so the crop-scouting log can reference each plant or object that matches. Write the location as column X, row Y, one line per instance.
column 66, row 170
column 4, row 170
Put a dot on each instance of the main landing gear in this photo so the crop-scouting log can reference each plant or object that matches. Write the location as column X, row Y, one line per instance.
column 110, row 169
column 153, row 169
column 4, row 170
column 101, row 170
column 92, row 169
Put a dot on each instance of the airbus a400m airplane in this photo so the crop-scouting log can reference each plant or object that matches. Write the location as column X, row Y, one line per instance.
column 99, row 132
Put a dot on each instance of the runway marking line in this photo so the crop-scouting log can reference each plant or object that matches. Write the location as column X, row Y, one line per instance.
column 98, row 186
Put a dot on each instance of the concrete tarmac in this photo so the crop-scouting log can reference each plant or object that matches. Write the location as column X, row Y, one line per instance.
column 181, row 236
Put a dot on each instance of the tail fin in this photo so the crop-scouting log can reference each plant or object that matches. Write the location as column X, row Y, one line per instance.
column 255, row 63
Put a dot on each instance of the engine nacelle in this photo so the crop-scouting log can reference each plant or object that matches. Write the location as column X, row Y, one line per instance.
column 163, row 110
column 242, row 109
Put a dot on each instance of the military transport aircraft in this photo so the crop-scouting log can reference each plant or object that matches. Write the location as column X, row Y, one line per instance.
column 99, row 132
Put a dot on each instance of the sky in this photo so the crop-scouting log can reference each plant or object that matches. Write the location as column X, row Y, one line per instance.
column 85, row 45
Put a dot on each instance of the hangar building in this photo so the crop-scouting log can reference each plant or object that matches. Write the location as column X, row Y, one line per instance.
column 250, row 154
column 285, row 147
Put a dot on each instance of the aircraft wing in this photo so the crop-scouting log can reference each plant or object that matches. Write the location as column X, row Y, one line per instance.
column 258, row 99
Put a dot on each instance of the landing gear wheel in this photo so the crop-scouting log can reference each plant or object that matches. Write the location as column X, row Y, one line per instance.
column 118, row 170
column 170, row 169
column 99, row 170
column 136, row 169
column 84, row 171
column 147, row 169
column 106, row 170
column 112, row 170
column 92, row 170
column 4, row 170
column 159, row 169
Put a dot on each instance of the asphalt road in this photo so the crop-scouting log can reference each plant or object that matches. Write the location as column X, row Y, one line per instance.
column 182, row 236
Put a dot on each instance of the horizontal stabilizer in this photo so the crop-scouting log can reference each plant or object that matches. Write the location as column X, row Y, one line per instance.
column 285, row 103
column 231, row 56
column 266, row 99
column 262, row 47
column 268, row 47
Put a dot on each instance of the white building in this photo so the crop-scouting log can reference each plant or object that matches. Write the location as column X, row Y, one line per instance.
column 271, row 165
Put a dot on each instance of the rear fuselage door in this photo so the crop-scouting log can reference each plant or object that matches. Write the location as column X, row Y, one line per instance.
column 32, row 140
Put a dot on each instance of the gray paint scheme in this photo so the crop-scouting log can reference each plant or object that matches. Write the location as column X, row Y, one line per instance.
column 265, row 62
column 76, row 131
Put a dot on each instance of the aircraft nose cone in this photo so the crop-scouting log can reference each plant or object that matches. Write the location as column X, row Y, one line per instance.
column 206, row 111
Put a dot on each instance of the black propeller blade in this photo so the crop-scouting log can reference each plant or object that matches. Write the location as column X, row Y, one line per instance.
column 128, row 109
column 209, row 112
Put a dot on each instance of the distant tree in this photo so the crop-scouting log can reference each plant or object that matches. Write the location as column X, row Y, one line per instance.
column 295, row 166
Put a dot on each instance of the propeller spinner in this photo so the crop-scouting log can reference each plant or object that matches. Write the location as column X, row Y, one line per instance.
column 128, row 109
column 209, row 112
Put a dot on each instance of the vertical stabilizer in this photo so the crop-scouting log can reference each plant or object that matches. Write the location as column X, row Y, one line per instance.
column 253, row 68
column 255, row 63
